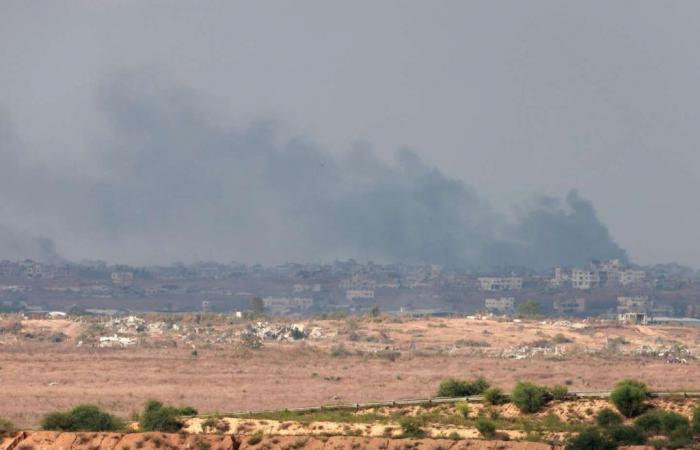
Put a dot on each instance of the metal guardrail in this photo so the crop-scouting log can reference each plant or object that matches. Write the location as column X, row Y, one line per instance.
column 431, row 401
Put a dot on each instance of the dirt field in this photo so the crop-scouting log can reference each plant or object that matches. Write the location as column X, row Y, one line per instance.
column 37, row 377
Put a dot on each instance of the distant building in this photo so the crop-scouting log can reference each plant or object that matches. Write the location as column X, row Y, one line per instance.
column 560, row 277
column 492, row 284
column 633, row 318
column 278, row 305
column 503, row 305
column 123, row 279
column 299, row 288
column 633, row 304
column 359, row 294
column 631, row 277
column 584, row 279
column 570, row 306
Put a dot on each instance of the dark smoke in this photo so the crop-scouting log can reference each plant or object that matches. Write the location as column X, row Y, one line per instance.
column 173, row 185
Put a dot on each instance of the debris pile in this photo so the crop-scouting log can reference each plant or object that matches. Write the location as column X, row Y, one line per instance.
column 529, row 351
column 280, row 332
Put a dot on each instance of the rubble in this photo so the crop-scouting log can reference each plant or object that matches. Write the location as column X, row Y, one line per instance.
column 116, row 341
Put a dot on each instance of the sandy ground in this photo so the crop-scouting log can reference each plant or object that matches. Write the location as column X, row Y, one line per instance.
column 40, row 377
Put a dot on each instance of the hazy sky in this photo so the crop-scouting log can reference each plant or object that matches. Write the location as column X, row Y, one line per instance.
column 515, row 98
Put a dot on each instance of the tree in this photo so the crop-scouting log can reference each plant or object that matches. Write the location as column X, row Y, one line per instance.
column 629, row 396
column 528, row 397
column 529, row 308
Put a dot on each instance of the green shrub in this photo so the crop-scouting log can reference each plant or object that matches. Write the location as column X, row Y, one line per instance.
column 411, row 426
column 625, row 435
column 159, row 417
column 695, row 421
column 590, row 439
column 663, row 422
column 607, row 418
column 495, row 396
column 629, row 396
column 560, row 392
column 462, row 409
column 6, row 427
column 679, row 438
column 528, row 397
column 188, row 411
column 453, row 387
column 486, row 427
column 255, row 438
column 82, row 418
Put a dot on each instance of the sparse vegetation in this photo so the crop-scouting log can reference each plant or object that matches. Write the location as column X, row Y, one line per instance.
column 559, row 392
column 463, row 409
column 339, row 350
column 82, row 418
column 486, row 427
column 411, row 426
column 256, row 438
column 6, row 427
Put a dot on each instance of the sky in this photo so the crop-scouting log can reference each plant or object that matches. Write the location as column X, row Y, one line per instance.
column 456, row 132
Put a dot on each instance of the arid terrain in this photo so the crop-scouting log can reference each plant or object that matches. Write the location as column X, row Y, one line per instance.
column 212, row 364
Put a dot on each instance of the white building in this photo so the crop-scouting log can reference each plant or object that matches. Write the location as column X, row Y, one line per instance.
column 500, row 283
column 503, row 305
column 124, row 279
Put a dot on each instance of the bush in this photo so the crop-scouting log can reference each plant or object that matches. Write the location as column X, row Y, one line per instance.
column 624, row 435
column 528, row 397
column 82, row 418
column 6, row 427
column 486, row 427
column 607, row 418
column 255, row 438
column 679, row 438
column 663, row 422
column 159, row 417
column 695, row 421
column 560, row 392
column 453, row 387
column 495, row 396
column 188, row 411
column 629, row 396
column 411, row 426
column 590, row 439
column 463, row 409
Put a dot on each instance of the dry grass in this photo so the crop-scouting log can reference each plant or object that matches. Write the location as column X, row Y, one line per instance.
column 39, row 377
